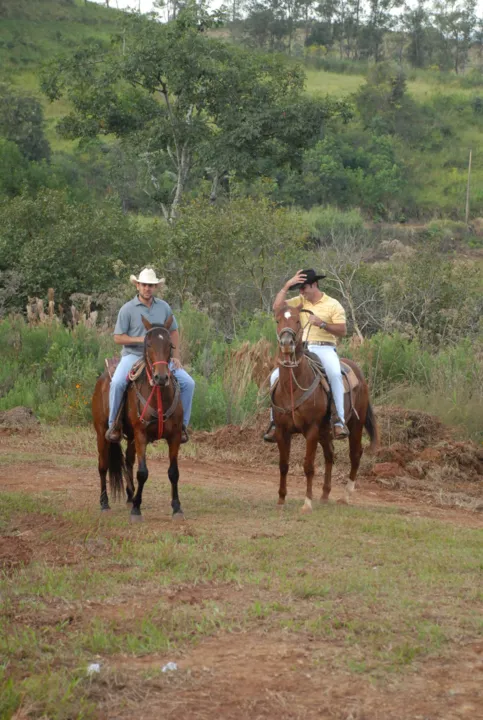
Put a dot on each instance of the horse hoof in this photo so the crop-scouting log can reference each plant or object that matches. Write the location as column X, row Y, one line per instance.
column 342, row 501
column 178, row 516
column 305, row 510
column 280, row 506
column 106, row 509
column 324, row 500
column 134, row 518
column 307, row 506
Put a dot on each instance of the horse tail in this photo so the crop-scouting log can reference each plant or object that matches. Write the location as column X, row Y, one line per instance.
column 372, row 430
column 116, row 470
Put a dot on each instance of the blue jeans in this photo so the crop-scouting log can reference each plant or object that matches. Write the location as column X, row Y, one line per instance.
column 119, row 383
column 331, row 364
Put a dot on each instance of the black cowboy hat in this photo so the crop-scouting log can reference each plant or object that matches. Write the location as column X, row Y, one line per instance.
column 311, row 277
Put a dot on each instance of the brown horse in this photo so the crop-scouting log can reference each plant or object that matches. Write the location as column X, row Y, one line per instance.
column 301, row 405
column 152, row 410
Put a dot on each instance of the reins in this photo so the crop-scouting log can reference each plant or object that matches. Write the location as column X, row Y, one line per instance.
column 290, row 364
column 156, row 389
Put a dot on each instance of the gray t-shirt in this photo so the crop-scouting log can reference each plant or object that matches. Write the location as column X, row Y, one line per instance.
column 129, row 321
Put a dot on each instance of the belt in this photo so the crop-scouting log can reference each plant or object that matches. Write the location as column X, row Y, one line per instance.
column 321, row 342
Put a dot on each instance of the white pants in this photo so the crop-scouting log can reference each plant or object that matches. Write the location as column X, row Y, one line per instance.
column 331, row 364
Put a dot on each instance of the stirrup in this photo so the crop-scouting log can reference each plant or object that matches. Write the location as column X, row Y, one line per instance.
column 184, row 435
column 269, row 435
column 341, row 432
column 113, row 434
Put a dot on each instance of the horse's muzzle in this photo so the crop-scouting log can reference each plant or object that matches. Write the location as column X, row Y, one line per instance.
column 160, row 379
column 287, row 344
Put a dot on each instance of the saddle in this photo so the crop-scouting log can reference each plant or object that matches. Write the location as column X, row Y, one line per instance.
column 134, row 373
column 349, row 377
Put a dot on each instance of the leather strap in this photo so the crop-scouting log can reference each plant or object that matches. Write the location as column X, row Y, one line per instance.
column 151, row 411
column 310, row 390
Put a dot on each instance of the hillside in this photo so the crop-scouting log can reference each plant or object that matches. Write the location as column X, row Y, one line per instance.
column 33, row 30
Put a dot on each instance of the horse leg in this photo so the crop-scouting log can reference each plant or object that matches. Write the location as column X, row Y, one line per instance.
column 141, row 476
column 130, row 459
column 103, row 466
column 312, row 439
column 284, row 440
column 325, row 440
column 173, row 474
column 355, row 452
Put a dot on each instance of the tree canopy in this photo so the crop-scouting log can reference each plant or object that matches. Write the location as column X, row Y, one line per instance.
column 189, row 102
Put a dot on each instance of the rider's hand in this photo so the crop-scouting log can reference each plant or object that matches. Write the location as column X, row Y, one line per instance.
column 299, row 277
column 176, row 363
column 314, row 320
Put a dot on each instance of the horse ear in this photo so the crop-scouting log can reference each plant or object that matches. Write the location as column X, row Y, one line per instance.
column 146, row 323
column 279, row 313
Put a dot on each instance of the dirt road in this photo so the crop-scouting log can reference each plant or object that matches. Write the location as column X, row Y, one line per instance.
column 252, row 674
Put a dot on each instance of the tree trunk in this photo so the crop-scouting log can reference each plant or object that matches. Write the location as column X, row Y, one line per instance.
column 183, row 172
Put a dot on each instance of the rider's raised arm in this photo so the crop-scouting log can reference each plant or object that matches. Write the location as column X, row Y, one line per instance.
column 280, row 298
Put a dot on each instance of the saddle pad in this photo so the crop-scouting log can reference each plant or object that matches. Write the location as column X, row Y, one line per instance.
column 134, row 373
column 351, row 380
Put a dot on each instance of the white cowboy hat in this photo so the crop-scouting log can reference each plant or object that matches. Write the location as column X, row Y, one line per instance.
column 146, row 276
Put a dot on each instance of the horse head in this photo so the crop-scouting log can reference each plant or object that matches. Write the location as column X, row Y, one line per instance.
column 289, row 330
column 157, row 351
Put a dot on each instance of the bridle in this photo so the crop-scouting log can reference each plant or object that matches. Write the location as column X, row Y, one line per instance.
column 156, row 389
column 293, row 363
column 150, row 366
column 296, row 334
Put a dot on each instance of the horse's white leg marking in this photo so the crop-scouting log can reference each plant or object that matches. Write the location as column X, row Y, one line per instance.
column 307, row 505
column 349, row 489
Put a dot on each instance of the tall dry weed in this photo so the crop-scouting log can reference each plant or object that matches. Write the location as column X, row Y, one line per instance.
column 248, row 363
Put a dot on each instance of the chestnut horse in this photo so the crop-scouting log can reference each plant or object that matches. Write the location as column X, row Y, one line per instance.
column 152, row 410
column 300, row 405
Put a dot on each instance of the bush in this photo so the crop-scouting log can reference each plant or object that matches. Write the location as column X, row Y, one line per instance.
column 447, row 383
column 73, row 247
column 50, row 369
column 325, row 222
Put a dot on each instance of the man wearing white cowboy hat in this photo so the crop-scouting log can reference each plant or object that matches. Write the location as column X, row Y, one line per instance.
column 130, row 332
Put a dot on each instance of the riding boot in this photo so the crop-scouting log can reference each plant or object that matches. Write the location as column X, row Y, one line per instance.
column 269, row 435
column 114, row 433
column 184, row 435
column 341, row 431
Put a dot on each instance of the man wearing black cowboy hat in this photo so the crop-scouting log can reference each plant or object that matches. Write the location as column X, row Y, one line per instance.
column 323, row 327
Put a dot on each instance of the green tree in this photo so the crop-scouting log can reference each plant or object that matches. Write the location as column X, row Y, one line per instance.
column 231, row 257
column 22, row 122
column 13, row 167
column 188, row 102
column 415, row 22
column 380, row 20
column 385, row 106
column 72, row 247
column 455, row 20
